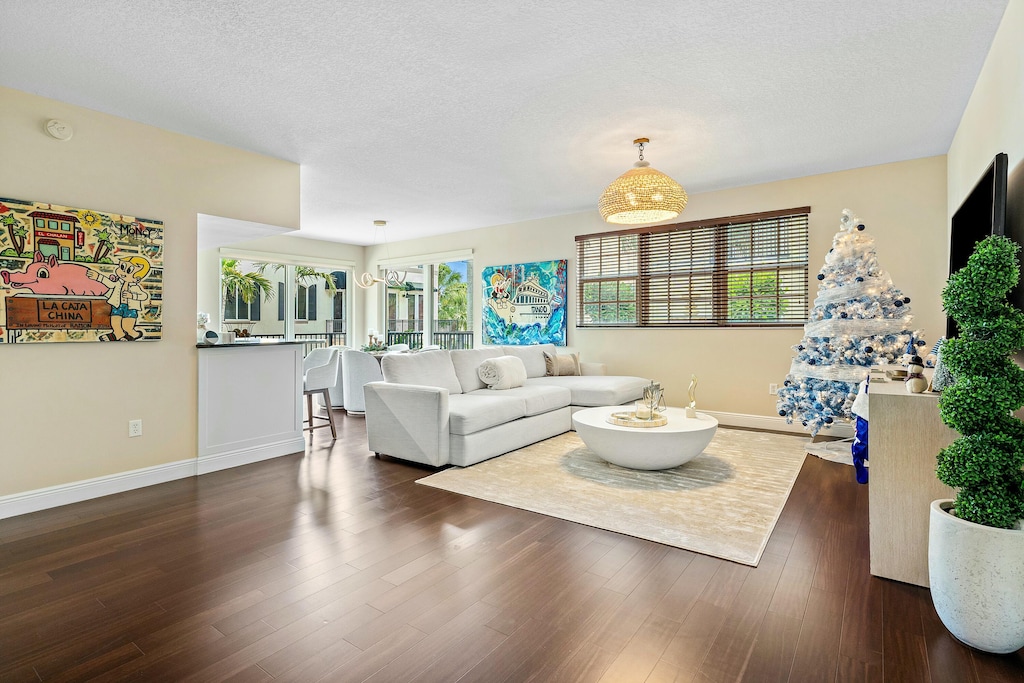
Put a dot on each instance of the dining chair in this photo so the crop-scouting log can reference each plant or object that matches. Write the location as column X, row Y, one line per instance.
column 359, row 368
column 319, row 374
column 398, row 348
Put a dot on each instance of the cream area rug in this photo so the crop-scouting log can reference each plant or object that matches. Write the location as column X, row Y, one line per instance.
column 725, row 502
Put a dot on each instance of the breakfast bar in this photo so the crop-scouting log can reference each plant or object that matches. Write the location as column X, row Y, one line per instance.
column 250, row 402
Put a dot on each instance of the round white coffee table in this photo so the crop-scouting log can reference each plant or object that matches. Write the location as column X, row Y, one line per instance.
column 645, row 448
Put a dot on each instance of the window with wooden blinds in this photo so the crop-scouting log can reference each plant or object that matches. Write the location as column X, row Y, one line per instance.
column 748, row 270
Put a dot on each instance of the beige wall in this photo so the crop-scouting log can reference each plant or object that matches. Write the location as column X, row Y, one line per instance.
column 903, row 205
column 993, row 121
column 66, row 406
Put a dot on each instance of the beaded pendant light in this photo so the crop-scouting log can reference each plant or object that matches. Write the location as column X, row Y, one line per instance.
column 642, row 195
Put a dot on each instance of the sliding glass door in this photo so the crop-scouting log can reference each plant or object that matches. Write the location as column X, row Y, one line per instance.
column 430, row 305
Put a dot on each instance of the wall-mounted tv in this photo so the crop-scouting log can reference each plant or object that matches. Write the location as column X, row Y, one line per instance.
column 983, row 213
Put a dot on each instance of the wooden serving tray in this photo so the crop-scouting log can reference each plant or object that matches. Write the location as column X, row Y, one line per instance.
column 629, row 419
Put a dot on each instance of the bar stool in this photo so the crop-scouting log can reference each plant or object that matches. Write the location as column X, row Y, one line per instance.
column 337, row 392
column 320, row 373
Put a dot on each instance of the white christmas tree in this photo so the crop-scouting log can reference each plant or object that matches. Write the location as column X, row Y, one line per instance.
column 859, row 319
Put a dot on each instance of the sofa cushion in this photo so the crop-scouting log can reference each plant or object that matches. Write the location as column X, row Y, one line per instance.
column 429, row 368
column 597, row 390
column 561, row 365
column 533, row 357
column 537, row 398
column 466, row 362
column 484, row 408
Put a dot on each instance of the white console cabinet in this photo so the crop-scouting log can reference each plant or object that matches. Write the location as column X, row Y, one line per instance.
column 905, row 434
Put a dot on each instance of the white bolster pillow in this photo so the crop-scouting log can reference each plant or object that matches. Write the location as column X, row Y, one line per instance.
column 503, row 372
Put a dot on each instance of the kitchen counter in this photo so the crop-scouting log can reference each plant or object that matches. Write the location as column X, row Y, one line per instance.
column 250, row 342
column 250, row 403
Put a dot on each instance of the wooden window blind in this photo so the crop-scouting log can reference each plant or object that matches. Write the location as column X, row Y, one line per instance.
column 748, row 270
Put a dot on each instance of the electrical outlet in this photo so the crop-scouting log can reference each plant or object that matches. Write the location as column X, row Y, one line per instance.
column 135, row 428
column 773, row 389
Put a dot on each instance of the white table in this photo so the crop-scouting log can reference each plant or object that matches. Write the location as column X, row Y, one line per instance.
column 645, row 448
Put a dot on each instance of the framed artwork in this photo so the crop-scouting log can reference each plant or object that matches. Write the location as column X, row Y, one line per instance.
column 524, row 303
column 78, row 275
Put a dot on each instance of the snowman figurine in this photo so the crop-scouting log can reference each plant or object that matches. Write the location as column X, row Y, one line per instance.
column 916, row 382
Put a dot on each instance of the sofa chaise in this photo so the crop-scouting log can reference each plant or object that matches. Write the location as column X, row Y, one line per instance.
column 433, row 408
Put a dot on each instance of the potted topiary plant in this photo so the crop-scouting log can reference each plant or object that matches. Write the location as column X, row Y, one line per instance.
column 976, row 543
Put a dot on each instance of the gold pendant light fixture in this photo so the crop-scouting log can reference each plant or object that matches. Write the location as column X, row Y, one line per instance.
column 642, row 195
column 392, row 278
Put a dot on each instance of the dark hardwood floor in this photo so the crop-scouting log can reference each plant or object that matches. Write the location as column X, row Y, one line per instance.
column 337, row 566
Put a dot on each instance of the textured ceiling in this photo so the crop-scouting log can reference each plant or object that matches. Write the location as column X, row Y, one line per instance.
column 447, row 115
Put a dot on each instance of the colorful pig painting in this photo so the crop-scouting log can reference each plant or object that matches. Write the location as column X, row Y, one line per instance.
column 49, row 276
column 72, row 274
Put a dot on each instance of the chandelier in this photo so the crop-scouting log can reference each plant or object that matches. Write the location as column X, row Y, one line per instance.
column 392, row 278
column 641, row 195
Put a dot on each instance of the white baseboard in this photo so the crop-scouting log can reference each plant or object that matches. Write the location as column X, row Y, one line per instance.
column 75, row 492
column 775, row 424
column 245, row 456
column 65, row 494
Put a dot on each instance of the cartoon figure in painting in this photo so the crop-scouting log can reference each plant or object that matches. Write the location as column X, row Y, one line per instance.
column 50, row 276
column 500, row 284
column 125, row 296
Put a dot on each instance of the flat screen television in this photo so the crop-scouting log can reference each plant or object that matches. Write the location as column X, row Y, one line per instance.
column 982, row 213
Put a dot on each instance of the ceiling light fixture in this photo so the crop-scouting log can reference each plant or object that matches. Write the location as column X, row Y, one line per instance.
column 642, row 195
column 392, row 278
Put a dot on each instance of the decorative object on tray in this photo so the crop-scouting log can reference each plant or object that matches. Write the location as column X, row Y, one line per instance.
column 691, row 392
column 653, row 399
column 637, row 419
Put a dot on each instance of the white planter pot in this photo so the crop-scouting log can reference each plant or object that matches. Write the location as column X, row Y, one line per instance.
column 977, row 580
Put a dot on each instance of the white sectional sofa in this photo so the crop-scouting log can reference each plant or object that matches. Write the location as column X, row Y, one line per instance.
column 432, row 407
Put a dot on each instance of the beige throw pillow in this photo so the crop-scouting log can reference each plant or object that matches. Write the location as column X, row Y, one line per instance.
column 560, row 365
